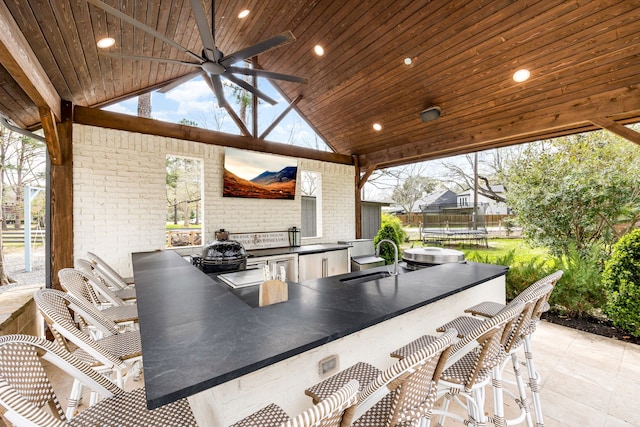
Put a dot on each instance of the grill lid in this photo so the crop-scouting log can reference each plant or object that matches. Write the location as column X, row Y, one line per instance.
column 222, row 250
column 431, row 255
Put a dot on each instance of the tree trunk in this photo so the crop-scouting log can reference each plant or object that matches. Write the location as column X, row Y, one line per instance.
column 4, row 278
column 144, row 105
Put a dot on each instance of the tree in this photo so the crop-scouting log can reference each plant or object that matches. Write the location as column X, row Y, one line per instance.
column 21, row 162
column 412, row 189
column 580, row 191
column 144, row 105
column 491, row 164
column 183, row 188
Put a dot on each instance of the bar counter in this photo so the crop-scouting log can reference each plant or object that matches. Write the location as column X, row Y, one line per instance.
column 212, row 344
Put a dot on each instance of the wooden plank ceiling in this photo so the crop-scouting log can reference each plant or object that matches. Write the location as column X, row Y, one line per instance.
column 583, row 57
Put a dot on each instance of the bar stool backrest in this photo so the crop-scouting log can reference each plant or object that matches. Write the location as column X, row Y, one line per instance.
column 97, row 284
column 412, row 382
column 112, row 276
column 77, row 284
column 334, row 411
column 515, row 330
column 55, row 305
column 25, row 389
column 486, row 343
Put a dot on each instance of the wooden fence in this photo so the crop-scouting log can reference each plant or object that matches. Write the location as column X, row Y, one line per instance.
column 16, row 237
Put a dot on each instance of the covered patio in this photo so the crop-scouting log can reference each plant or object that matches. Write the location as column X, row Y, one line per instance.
column 399, row 82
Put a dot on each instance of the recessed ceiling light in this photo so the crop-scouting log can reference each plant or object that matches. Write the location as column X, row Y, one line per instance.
column 407, row 61
column 244, row 13
column 319, row 50
column 106, row 42
column 377, row 127
column 521, row 75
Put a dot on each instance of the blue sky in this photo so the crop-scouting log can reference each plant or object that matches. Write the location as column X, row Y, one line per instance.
column 195, row 101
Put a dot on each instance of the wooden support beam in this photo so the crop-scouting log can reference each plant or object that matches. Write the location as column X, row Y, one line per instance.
column 111, row 120
column 280, row 117
column 61, row 200
column 358, row 198
column 617, row 128
column 19, row 60
column 51, row 135
column 365, row 177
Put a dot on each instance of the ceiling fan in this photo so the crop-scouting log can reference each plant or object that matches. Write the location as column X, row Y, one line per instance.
column 212, row 64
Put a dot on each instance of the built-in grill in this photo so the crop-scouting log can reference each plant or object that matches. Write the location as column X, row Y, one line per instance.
column 222, row 255
column 417, row 258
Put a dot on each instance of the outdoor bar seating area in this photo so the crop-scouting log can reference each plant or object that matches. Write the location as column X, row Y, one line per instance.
column 219, row 188
column 431, row 375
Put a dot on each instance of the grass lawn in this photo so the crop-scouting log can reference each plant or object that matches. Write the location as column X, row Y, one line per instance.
column 498, row 248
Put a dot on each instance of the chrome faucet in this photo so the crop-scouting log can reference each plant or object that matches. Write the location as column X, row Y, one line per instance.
column 395, row 254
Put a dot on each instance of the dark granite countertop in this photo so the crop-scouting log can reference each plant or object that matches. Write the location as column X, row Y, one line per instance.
column 198, row 333
column 300, row 250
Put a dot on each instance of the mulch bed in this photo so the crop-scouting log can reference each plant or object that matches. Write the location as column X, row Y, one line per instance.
column 591, row 324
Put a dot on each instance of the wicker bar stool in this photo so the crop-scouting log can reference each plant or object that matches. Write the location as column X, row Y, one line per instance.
column 488, row 309
column 115, row 353
column 335, row 411
column 512, row 341
column 28, row 398
column 114, row 277
column 469, row 367
column 76, row 283
column 403, row 394
column 101, row 288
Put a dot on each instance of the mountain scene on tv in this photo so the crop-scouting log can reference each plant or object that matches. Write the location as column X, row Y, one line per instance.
column 267, row 184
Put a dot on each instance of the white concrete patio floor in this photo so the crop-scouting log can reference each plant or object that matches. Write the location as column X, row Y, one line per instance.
column 587, row 380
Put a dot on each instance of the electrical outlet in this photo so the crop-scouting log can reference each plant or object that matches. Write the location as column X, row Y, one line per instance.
column 328, row 365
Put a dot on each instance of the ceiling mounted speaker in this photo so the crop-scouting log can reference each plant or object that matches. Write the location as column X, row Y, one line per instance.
column 430, row 113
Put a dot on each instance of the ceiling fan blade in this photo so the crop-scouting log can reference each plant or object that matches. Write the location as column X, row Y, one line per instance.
column 250, row 88
column 141, row 26
column 258, row 48
column 216, row 86
column 206, row 34
column 148, row 58
column 180, row 80
column 267, row 74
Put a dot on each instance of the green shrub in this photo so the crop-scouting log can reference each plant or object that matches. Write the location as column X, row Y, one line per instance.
column 386, row 250
column 394, row 221
column 520, row 274
column 621, row 279
column 579, row 292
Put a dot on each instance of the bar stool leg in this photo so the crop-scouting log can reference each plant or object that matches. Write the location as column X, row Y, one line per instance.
column 74, row 399
column 523, row 402
column 534, row 381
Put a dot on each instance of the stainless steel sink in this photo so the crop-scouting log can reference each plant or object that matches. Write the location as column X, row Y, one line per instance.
column 361, row 278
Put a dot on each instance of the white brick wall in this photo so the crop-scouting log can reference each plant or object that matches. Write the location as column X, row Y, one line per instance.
column 119, row 196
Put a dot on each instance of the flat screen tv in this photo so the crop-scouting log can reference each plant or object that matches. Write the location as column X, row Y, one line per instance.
column 259, row 175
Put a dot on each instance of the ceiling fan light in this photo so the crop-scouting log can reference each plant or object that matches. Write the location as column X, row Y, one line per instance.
column 319, row 50
column 430, row 113
column 521, row 75
column 244, row 13
column 106, row 42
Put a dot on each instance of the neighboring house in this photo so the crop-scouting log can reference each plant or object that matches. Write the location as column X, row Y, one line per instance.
column 435, row 202
column 465, row 200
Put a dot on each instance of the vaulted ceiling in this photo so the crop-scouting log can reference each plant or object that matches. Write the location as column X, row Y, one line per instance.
column 583, row 57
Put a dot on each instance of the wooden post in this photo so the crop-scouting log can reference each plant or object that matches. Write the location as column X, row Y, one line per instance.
column 61, row 200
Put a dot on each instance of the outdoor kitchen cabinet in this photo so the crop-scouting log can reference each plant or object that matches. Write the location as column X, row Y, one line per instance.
column 323, row 264
column 289, row 262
